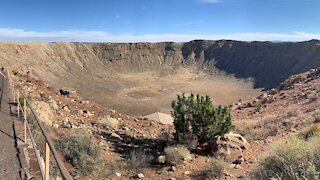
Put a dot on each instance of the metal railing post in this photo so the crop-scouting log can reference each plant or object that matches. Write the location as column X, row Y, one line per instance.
column 47, row 162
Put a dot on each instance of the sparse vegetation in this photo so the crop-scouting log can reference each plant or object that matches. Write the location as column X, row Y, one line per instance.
column 314, row 130
column 316, row 116
column 197, row 116
column 261, row 130
column 81, row 152
column 139, row 160
column 294, row 159
column 215, row 169
column 293, row 112
column 176, row 154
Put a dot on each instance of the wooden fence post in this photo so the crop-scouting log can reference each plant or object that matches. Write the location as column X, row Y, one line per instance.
column 14, row 93
column 25, row 119
column 47, row 162
column 18, row 104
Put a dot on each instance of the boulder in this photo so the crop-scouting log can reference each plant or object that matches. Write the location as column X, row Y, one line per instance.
column 110, row 122
column 225, row 144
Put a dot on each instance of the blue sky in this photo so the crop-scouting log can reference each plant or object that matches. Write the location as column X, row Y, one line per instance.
column 158, row 20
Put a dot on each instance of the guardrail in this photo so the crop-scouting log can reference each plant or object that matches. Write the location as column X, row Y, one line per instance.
column 49, row 147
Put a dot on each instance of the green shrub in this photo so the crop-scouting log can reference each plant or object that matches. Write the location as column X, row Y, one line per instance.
column 197, row 116
column 81, row 152
column 294, row 159
column 176, row 154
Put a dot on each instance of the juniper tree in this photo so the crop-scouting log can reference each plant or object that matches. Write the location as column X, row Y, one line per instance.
column 197, row 116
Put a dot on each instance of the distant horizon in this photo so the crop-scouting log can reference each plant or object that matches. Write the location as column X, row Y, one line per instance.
column 88, row 42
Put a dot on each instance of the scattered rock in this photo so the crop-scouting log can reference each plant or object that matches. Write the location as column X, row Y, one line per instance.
column 66, row 108
column 172, row 168
column 263, row 96
column 273, row 91
column 140, row 175
column 161, row 160
column 54, row 105
column 239, row 160
column 87, row 114
column 118, row 174
column 55, row 126
column 125, row 128
column 115, row 135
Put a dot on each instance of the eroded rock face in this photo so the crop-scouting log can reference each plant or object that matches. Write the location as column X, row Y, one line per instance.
column 224, row 145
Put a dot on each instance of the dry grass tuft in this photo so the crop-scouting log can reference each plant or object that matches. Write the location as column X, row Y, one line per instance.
column 81, row 152
column 177, row 154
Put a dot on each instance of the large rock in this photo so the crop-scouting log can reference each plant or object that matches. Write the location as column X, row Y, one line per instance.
column 224, row 145
column 110, row 122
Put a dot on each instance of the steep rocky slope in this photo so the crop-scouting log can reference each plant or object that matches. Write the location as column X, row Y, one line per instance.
column 268, row 63
column 144, row 77
column 264, row 121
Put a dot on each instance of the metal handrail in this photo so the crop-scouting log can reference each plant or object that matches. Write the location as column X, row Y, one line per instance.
column 33, row 142
column 49, row 144
column 61, row 167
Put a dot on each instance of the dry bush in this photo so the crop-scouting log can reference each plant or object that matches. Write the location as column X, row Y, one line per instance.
column 314, row 130
column 176, row 154
column 293, row 111
column 316, row 116
column 216, row 169
column 81, row 152
column 139, row 160
column 294, row 159
column 261, row 130
column 108, row 170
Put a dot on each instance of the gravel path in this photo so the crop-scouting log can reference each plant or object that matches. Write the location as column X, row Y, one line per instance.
column 9, row 162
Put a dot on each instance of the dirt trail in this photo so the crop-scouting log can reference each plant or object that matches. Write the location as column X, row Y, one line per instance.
column 9, row 162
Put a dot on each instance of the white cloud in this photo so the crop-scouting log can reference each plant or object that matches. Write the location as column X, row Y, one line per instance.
column 19, row 35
